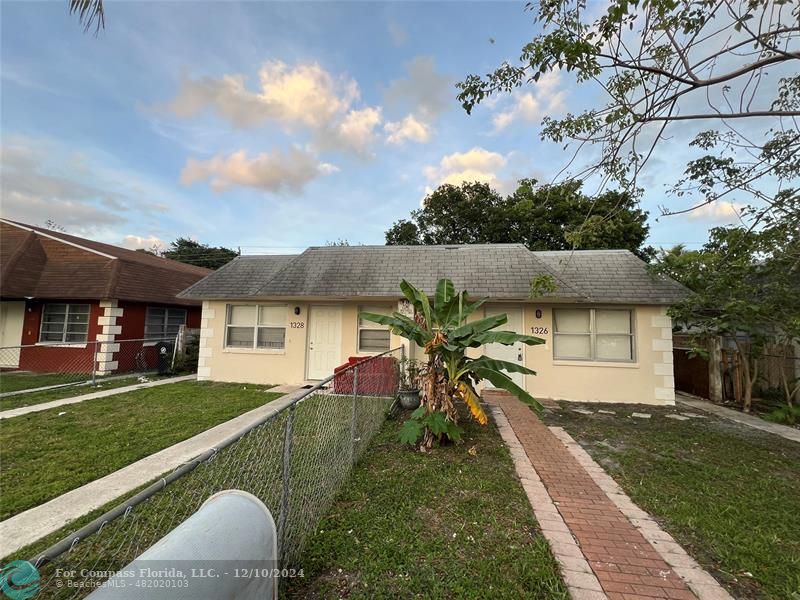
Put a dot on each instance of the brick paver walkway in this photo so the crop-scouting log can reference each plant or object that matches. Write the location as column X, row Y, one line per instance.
column 625, row 563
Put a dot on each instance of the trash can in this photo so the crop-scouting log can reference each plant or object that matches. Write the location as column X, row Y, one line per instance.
column 164, row 352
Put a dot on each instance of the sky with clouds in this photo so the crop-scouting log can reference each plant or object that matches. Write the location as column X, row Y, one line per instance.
column 273, row 126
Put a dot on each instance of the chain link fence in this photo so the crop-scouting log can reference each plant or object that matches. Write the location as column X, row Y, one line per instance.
column 38, row 367
column 295, row 460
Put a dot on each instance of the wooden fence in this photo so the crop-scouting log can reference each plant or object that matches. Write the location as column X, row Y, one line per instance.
column 693, row 372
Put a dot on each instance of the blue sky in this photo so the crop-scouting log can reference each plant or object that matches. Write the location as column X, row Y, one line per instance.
column 271, row 126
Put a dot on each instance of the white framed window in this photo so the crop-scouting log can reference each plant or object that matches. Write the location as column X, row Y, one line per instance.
column 373, row 337
column 66, row 323
column 599, row 334
column 163, row 322
column 256, row 326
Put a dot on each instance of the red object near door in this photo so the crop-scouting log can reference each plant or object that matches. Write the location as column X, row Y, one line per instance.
column 377, row 377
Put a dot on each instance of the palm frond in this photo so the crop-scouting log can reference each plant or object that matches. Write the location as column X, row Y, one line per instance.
column 90, row 12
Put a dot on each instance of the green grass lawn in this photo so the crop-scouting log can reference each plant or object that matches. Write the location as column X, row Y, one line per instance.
column 45, row 455
column 320, row 466
column 16, row 381
column 444, row 524
column 31, row 398
column 729, row 494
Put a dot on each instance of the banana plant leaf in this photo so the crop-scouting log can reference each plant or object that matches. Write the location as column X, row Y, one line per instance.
column 401, row 325
column 503, row 381
column 445, row 292
column 505, row 337
column 418, row 299
column 486, row 362
column 480, row 326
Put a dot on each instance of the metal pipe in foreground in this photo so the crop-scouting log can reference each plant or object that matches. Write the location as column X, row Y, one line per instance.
column 227, row 549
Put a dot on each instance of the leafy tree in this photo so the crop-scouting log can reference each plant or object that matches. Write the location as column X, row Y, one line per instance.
column 561, row 217
column 154, row 250
column 54, row 226
column 542, row 217
column 470, row 213
column 746, row 286
column 720, row 70
column 440, row 327
column 403, row 233
column 194, row 253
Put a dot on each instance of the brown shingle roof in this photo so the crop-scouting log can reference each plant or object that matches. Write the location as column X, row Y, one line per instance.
column 40, row 263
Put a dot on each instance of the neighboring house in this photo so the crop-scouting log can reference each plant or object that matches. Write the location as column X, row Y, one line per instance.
column 288, row 319
column 59, row 292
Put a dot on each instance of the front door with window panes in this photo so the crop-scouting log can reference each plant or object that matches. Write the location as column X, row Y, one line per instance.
column 65, row 323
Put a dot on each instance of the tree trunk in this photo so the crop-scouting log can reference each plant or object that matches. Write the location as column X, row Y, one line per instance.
column 789, row 390
column 437, row 397
column 749, row 377
column 714, row 366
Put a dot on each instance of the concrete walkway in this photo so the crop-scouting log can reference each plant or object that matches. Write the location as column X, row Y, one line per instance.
column 24, row 410
column 789, row 433
column 607, row 547
column 35, row 523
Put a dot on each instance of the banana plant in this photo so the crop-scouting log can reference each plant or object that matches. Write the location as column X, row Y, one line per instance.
column 440, row 327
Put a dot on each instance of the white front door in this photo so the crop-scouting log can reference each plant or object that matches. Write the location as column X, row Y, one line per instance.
column 12, row 315
column 324, row 340
column 514, row 353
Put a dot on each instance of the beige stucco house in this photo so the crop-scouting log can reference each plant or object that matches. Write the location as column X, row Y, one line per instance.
column 292, row 319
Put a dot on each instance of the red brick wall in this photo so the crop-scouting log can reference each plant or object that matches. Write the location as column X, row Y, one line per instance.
column 133, row 355
column 134, row 314
column 46, row 359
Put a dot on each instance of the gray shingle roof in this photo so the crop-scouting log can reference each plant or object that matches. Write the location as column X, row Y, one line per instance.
column 612, row 276
column 501, row 271
column 240, row 278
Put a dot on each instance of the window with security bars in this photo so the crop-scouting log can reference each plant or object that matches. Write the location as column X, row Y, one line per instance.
column 593, row 334
column 162, row 323
column 373, row 337
column 67, row 323
column 256, row 326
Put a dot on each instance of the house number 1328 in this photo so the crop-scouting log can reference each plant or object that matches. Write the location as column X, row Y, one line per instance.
column 540, row 330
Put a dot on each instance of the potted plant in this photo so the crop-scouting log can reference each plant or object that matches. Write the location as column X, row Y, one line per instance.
column 410, row 372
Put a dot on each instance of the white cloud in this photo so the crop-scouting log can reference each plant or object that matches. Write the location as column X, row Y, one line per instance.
column 546, row 99
column 306, row 94
column 42, row 181
column 409, row 128
column 134, row 242
column 355, row 132
column 477, row 164
column 275, row 171
column 424, row 91
column 718, row 212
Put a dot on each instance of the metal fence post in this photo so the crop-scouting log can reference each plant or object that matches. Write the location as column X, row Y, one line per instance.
column 174, row 354
column 285, row 489
column 353, row 417
column 94, row 363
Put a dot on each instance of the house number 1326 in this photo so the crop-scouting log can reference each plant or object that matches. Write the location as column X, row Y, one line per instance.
column 540, row 330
